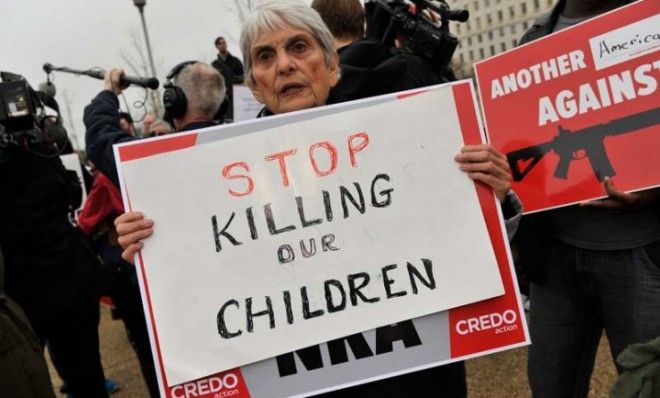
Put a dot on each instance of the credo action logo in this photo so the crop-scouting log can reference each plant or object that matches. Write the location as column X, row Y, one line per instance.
column 501, row 322
column 212, row 387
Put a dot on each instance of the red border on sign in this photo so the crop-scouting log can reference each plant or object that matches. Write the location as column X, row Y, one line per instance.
column 138, row 151
column 149, row 148
column 488, row 339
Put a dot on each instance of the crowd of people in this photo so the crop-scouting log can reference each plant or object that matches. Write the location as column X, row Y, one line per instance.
column 592, row 267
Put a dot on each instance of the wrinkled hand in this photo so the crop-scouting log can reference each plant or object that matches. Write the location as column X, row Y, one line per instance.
column 619, row 200
column 112, row 81
column 132, row 228
column 484, row 163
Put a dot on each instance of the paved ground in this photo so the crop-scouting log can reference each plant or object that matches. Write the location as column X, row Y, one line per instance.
column 500, row 375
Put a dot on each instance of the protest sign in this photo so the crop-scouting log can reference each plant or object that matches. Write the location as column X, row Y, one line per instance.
column 71, row 162
column 578, row 106
column 246, row 107
column 414, row 200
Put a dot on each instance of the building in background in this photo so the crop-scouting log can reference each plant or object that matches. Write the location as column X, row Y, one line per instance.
column 494, row 27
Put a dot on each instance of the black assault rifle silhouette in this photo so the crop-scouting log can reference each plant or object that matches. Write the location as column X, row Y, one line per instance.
column 588, row 142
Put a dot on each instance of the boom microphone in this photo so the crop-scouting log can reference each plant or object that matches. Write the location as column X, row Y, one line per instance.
column 48, row 88
column 147, row 82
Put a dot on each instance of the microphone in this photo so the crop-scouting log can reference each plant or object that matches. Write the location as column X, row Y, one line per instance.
column 48, row 88
column 147, row 82
column 459, row 15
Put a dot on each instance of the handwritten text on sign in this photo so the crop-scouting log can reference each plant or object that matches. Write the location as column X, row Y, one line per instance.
column 289, row 237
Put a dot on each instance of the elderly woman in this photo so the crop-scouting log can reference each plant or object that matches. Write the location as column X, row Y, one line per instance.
column 291, row 64
column 289, row 56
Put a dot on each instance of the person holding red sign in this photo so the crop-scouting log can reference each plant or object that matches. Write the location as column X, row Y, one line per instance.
column 291, row 64
column 593, row 266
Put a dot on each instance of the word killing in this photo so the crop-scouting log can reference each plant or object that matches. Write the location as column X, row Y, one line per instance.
column 349, row 198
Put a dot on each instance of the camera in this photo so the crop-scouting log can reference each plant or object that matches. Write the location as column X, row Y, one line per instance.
column 24, row 122
column 422, row 37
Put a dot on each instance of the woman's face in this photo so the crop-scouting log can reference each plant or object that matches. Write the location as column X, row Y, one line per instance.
column 289, row 70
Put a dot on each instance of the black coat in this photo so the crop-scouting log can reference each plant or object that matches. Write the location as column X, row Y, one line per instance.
column 23, row 369
column 101, row 118
column 369, row 68
column 234, row 69
column 48, row 264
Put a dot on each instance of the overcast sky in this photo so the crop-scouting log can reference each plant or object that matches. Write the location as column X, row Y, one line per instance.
column 82, row 34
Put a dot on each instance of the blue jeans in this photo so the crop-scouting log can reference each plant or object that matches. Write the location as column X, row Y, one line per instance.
column 584, row 292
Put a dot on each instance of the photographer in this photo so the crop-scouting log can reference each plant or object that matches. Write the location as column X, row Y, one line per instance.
column 50, row 271
column 368, row 67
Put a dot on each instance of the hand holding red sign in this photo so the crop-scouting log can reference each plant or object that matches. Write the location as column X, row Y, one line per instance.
column 578, row 106
column 624, row 200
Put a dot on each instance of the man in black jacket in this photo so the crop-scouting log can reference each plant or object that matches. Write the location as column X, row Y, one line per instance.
column 231, row 70
column 369, row 68
column 225, row 57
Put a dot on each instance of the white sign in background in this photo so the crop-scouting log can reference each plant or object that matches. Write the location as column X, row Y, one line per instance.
column 434, row 215
column 246, row 107
column 71, row 162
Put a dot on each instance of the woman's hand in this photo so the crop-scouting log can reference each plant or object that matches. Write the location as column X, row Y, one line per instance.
column 132, row 228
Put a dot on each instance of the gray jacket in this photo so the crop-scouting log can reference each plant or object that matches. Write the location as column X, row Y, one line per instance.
column 512, row 209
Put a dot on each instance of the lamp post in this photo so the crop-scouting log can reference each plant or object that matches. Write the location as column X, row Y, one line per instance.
column 140, row 6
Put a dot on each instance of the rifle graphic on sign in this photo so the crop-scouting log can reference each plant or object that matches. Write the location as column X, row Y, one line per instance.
column 588, row 142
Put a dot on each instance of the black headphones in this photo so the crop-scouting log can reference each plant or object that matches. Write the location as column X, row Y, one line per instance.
column 174, row 99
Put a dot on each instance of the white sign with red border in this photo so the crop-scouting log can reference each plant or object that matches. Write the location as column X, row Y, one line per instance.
column 352, row 217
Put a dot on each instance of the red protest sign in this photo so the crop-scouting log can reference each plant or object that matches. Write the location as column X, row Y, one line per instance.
column 578, row 106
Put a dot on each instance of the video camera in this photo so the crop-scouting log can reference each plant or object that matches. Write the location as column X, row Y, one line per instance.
column 24, row 122
column 423, row 37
